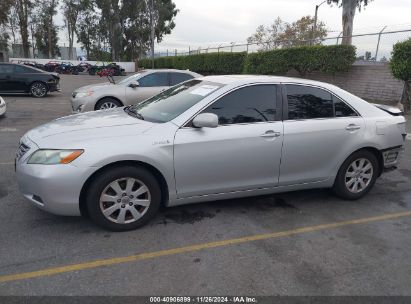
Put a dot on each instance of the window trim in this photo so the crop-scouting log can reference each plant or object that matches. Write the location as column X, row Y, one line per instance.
column 285, row 101
column 278, row 114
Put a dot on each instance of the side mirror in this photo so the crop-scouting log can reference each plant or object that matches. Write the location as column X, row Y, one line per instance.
column 134, row 84
column 206, row 120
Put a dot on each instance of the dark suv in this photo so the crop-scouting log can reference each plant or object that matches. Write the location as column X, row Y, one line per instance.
column 18, row 78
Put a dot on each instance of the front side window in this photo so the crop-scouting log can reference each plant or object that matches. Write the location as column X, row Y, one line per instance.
column 154, row 80
column 307, row 102
column 19, row 69
column 246, row 105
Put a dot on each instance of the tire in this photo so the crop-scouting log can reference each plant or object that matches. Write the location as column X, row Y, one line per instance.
column 92, row 72
column 38, row 89
column 353, row 183
column 123, row 211
column 107, row 103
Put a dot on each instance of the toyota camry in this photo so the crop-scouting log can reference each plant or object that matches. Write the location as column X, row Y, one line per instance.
column 210, row 138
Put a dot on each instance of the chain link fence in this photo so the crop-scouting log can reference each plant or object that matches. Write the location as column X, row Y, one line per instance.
column 375, row 45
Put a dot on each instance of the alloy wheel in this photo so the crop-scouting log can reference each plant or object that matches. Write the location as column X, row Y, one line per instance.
column 359, row 175
column 125, row 200
column 38, row 90
column 108, row 105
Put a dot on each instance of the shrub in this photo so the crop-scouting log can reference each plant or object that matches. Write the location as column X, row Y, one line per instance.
column 212, row 63
column 304, row 59
column 401, row 69
column 401, row 60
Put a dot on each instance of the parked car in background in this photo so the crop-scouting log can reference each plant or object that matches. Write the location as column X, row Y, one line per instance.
column 130, row 90
column 18, row 78
column 210, row 138
column 51, row 66
column 67, row 68
column 3, row 107
column 112, row 70
column 83, row 66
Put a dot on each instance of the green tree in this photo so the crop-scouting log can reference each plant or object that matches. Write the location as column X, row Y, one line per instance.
column 349, row 7
column 87, row 26
column 283, row 34
column 401, row 69
column 71, row 9
column 46, row 31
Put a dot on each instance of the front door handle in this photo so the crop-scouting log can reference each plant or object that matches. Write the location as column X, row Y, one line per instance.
column 271, row 133
column 352, row 127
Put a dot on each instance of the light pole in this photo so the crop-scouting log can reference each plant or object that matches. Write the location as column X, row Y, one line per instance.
column 315, row 20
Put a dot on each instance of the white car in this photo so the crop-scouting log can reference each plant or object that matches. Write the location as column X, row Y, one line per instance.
column 129, row 91
column 2, row 107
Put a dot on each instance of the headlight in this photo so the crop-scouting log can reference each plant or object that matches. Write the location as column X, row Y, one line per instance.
column 54, row 157
column 84, row 94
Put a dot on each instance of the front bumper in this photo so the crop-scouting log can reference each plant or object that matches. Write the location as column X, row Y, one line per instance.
column 80, row 105
column 53, row 188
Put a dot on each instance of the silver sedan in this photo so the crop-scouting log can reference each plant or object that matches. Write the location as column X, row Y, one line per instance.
column 207, row 139
column 130, row 90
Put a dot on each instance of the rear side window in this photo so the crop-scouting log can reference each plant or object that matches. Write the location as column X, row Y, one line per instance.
column 342, row 109
column 246, row 105
column 177, row 78
column 6, row 68
column 307, row 102
column 154, row 80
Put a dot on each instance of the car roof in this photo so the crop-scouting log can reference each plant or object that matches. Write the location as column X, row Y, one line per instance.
column 246, row 79
column 169, row 70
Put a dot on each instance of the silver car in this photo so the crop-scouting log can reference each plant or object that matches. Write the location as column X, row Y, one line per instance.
column 3, row 107
column 128, row 91
column 207, row 139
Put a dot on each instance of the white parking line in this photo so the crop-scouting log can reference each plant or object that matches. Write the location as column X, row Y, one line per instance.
column 8, row 130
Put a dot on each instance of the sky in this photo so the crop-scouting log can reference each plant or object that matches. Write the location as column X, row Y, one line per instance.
column 203, row 23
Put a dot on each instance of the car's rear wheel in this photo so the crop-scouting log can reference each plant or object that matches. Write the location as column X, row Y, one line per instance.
column 108, row 103
column 123, row 198
column 357, row 175
column 38, row 89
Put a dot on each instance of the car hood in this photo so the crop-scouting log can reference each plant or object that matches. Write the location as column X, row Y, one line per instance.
column 86, row 127
column 94, row 87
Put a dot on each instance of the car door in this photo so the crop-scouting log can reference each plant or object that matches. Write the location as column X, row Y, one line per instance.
column 6, row 82
column 242, row 153
column 149, row 86
column 22, row 77
column 319, row 130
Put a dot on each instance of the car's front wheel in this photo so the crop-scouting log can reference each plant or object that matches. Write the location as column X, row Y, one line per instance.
column 108, row 103
column 123, row 198
column 38, row 89
column 357, row 175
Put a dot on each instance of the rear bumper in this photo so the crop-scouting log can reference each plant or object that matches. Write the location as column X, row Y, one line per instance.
column 392, row 156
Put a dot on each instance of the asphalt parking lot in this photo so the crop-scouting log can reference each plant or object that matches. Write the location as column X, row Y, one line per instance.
column 301, row 243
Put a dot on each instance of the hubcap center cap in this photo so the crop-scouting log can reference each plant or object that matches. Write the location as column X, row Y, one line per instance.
column 125, row 200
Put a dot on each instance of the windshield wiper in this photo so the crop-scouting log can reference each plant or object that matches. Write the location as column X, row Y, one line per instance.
column 130, row 111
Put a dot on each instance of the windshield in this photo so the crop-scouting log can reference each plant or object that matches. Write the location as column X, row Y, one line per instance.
column 174, row 101
column 126, row 80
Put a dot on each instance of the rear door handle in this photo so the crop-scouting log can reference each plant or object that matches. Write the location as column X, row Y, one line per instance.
column 353, row 127
column 271, row 133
